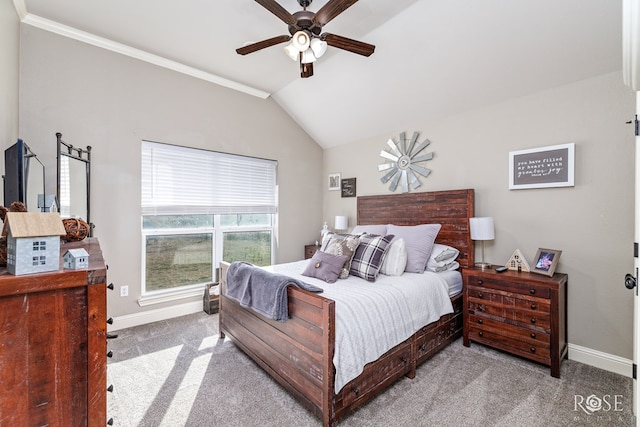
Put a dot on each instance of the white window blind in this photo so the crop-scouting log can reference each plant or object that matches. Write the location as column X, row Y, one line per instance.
column 187, row 180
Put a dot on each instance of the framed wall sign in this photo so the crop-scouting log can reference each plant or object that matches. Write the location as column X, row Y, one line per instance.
column 349, row 187
column 334, row 181
column 551, row 166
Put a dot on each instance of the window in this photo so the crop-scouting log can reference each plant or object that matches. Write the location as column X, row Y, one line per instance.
column 200, row 207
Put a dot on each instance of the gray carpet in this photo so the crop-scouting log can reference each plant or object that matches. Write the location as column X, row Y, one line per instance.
column 179, row 373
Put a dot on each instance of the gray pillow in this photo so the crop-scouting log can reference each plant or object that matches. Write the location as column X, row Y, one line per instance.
column 419, row 240
column 325, row 266
column 379, row 229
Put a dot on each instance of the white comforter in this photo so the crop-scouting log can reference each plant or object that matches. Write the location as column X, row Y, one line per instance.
column 371, row 318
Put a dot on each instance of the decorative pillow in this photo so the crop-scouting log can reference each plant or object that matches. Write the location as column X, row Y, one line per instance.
column 450, row 265
column 325, row 266
column 369, row 255
column 419, row 241
column 443, row 253
column 379, row 230
column 443, row 258
column 342, row 244
column 395, row 260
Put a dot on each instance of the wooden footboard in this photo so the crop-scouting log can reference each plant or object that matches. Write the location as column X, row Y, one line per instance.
column 299, row 353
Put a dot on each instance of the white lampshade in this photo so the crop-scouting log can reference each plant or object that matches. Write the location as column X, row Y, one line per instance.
column 481, row 228
column 308, row 56
column 342, row 222
column 301, row 41
column 291, row 51
column 319, row 47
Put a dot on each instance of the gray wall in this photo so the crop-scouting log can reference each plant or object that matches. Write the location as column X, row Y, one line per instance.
column 592, row 223
column 9, row 68
column 112, row 102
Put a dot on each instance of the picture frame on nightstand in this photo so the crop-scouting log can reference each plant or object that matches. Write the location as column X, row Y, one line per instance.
column 546, row 261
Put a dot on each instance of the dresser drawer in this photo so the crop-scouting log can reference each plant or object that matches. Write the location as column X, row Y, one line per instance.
column 516, row 332
column 508, row 299
column 531, row 350
column 526, row 319
column 510, row 286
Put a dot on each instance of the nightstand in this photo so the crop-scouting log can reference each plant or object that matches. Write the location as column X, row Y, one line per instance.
column 310, row 250
column 522, row 313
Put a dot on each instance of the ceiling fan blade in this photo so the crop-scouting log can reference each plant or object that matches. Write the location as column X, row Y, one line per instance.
column 355, row 46
column 275, row 8
column 254, row 47
column 332, row 9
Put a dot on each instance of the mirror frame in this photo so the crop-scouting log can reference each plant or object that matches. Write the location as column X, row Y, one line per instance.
column 83, row 155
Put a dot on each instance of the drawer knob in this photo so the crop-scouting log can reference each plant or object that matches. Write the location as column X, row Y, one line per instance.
column 533, row 306
column 533, row 320
column 533, row 349
column 480, row 295
column 532, row 291
column 481, row 333
column 481, row 308
column 480, row 321
column 479, row 281
column 533, row 335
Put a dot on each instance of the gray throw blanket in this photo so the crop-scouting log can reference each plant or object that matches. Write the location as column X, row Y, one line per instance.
column 261, row 290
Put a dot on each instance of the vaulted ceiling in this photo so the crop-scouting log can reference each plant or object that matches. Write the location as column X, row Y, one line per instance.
column 433, row 58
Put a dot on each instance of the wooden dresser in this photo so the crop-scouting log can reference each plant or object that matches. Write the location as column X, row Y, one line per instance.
column 53, row 348
column 522, row 313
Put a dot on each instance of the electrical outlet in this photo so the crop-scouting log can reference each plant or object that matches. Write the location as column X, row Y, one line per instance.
column 124, row 291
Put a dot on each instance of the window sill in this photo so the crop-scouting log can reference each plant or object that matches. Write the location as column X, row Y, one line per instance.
column 171, row 295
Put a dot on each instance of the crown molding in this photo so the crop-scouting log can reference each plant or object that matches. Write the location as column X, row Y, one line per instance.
column 21, row 8
column 104, row 43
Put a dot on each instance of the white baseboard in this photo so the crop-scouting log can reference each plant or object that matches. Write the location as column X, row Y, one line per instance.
column 606, row 361
column 150, row 316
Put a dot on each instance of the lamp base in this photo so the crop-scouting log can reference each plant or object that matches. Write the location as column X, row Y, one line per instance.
column 483, row 265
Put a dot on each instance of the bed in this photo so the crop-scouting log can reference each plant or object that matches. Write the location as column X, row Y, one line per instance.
column 299, row 352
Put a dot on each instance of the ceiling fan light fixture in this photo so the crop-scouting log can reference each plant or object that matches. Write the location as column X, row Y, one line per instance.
column 292, row 52
column 308, row 57
column 301, row 41
column 319, row 47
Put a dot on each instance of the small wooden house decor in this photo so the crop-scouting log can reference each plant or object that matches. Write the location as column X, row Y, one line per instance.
column 33, row 241
column 517, row 262
column 76, row 259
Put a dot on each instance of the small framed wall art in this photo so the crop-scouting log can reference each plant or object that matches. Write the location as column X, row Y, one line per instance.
column 334, row 181
column 542, row 167
column 546, row 261
column 348, row 187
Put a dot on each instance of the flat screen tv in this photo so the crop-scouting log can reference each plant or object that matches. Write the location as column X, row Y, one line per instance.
column 23, row 177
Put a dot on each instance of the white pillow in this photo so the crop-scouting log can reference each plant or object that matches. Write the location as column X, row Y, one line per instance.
column 380, row 230
column 395, row 260
column 443, row 258
column 453, row 265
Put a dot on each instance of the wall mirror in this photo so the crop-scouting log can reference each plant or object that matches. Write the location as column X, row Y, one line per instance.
column 73, row 181
column 24, row 176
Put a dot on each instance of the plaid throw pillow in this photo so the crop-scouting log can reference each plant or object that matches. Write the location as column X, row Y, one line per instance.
column 369, row 255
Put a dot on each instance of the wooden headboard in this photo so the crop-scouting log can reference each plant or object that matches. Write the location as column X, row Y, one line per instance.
column 451, row 208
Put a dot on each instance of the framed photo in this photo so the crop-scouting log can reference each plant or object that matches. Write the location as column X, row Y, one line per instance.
column 546, row 261
column 544, row 167
column 348, row 186
column 334, row 181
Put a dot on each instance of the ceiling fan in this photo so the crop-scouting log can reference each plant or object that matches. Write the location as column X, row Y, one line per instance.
column 308, row 43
